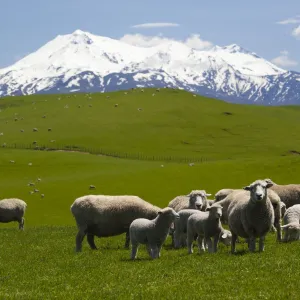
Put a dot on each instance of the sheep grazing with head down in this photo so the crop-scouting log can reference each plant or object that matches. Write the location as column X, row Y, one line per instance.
column 11, row 210
column 251, row 215
column 153, row 233
column 104, row 216
column 206, row 225
column 291, row 225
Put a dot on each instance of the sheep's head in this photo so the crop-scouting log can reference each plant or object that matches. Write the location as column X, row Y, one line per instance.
column 225, row 237
column 292, row 232
column 215, row 211
column 268, row 180
column 258, row 190
column 198, row 198
column 169, row 214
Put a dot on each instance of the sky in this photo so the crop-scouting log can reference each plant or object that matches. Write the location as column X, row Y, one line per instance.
column 270, row 28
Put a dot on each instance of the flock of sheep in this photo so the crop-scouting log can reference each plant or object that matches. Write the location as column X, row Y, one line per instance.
column 250, row 213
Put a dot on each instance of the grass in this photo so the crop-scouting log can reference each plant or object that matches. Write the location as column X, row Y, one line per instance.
column 40, row 262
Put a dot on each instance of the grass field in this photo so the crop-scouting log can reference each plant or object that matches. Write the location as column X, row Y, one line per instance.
column 40, row 262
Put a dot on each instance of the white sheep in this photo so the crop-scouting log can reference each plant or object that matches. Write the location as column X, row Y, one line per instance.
column 291, row 225
column 13, row 209
column 206, row 225
column 153, row 233
column 92, row 187
column 104, row 216
column 34, row 129
column 251, row 215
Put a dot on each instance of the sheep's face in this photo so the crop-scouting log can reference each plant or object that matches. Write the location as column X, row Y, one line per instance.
column 215, row 211
column 198, row 199
column 291, row 232
column 226, row 237
column 169, row 213
column 258, row 190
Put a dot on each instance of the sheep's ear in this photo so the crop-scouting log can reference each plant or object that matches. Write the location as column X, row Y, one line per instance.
column 247, row 188
column 269, row 184
column 224, row 235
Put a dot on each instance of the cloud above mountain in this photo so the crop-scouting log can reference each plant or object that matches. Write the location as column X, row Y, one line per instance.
column 283, row 60
column 193, row 41
column 155, row 25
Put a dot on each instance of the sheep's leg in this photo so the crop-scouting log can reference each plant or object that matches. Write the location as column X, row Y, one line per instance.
column 233, row 242
column 176, row 239
column 261, row 244
column 21, row 224
column 154, row 251
column 279, row 233
column 200, row 242
column 159, row 246
column 183, row 240
column 189, row 241
column 149, row 250
column 210, row 245
column 79, row 238
column 127, row 240
column 252, row 244
column 91, row 241
column 216, row 242
column 134, row 251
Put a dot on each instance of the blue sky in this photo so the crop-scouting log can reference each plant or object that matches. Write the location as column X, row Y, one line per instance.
column 271, row 28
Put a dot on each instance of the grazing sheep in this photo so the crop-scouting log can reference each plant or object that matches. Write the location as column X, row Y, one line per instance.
column 142, row 91
column 49, row 129
column 42, row 195
column 289, row 193
column 251, row 215
column 140, row 109
column 153, row 94
column 36, row 190
column 158, row 90
column 29, row 164
column 116, row 105
column 31, row 184
column 206, row 225
column 191, row 164
column 105, row 216
column 153, row 233
column 12, row 161
column 107, row 97
column 291, row 225
column 22, row 130
column 1, row 133
column 44, row 116
column 92, row 187
column 34, row 129
column 13, row 209
column 90, row 105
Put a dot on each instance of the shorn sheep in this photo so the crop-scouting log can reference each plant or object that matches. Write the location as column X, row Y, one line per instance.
column 289, row 193
column 251, row 215
column 153, row 233
column 291, row 225
column 104, row 216
column 278, row 206
column 11, row 210
column 206, row 225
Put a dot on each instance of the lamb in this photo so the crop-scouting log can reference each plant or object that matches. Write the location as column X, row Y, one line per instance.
column 251, row 215
column 291, row 220
column 13, row 209
column 289, row 193
column 206, row 225
column 278, row 206
column 153, row 233
column 104, row 216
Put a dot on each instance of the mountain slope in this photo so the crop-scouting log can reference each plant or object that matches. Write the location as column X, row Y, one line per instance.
column 84, row 62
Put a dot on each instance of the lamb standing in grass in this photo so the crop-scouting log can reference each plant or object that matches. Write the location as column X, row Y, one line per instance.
column 291, row 225
column 206, row 225
column 104, row 216
column 153, row 233
column 13, row 209
column 251, row 215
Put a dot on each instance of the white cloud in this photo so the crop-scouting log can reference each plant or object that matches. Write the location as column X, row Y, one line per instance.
column 155, row 25
column 295, row 20
column 283, row 60
column 193, row 41
column 296, row 32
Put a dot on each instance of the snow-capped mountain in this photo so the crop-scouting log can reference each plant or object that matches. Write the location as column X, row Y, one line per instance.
column 83, row 62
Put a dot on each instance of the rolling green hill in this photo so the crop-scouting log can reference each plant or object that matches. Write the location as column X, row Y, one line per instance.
column 231, row 146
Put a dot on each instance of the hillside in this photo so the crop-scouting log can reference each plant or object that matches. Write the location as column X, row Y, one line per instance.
column 84, row 62
column 172, row 124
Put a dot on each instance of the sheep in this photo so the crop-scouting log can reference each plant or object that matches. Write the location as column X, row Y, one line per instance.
column 13, row 209
column 49, row 129
column 36, row 190
column 34, row 129
column 206, row 225
column 22, row 130
column 140, row 109
column 291, row 225
column 42, row 195
column 153, row 94
column 104, row 216
column 90, row 105
column 1, row 133
column 289, row 193
column 180, row 226
column 153, row 233
column 278, row 206
column 222, row 194
column 251, row 215
column 12, row 161
column 44, row 117
column 92, row 187
column 196, row 199
column 31, row 184
column 116, row 105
